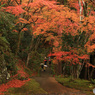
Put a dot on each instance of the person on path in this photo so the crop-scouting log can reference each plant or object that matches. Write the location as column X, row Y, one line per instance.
column 42, row 66
column 45, row 63
column 49, row 61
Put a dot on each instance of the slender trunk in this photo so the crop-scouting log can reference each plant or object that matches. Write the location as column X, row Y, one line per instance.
column 91, row 74
column 88, row 74
column 93, row 63
column 80, row 10
column 28, row 58
column 64, row 69
column 29, row 52
column 37, row 43
column 18, row 44
column 19, row 35
column 85, row 8
column 72, row 76
column 59, row 67
column 71, row 72
column 85, row 76
column 79, row 70
column 80, row 7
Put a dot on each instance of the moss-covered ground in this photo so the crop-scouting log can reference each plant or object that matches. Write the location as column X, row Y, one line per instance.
column 30, row 88
column 80, row 84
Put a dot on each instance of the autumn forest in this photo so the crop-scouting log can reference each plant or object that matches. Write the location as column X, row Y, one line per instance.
column 63, row 30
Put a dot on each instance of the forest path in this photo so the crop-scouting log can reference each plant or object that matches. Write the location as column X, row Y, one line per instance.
column 50, row 85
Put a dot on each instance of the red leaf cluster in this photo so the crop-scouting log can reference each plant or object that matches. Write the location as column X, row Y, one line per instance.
column 21, row 67
column 15, row 82
column 12, row 83
column 70, row 57
column 88, row 64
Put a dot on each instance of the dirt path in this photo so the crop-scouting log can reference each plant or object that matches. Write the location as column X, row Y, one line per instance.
column 50, row 85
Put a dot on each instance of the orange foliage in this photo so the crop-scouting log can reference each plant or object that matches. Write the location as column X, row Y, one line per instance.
column 90, row 45
column 88, row 64
column 68, row 57
column 91, row 48
column 15, row 31
column 46, row 15
column 16, row 10
column 24, row 29
column 84, row 57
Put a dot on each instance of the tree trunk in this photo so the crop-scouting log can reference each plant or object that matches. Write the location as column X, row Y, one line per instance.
column 29, row 52
column 85, row 75
column 92, row 61
column 91, row 73
column 28, row 58
column 37, row 43
column 80, row 10
column 59, row 67
column 18, row 44
column 88, row 74
column 63, row 69
column 84, row 8
column 79, row 70
column 71, row 72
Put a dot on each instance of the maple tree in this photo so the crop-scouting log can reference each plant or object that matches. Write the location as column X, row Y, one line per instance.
column 85, row 27
column 28, row 12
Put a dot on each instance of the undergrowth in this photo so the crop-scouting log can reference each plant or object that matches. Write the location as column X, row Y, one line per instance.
column 80, row 84
column 30, row 88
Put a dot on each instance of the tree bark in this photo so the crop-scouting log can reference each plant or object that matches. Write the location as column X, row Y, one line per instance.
column 59, row 67
column 80, row 10
column 29, row 52
column 37, row 43
column 85, row 76
column 79, row 70
column 18, row 44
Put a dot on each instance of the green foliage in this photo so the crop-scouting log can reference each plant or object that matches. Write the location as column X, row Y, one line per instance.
column 93, row 81
column 35, row 61
column 6, row 22
column 74, row 41
column 6, row 26
column 52, row 69
column 11, row 63
column 19, row 77
column 26, row 39
column 2, row 5
column 83, row 85
column 28, row 71
column 24, row 47
column 12, row 39
column 4, row 45
column 62, row 2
